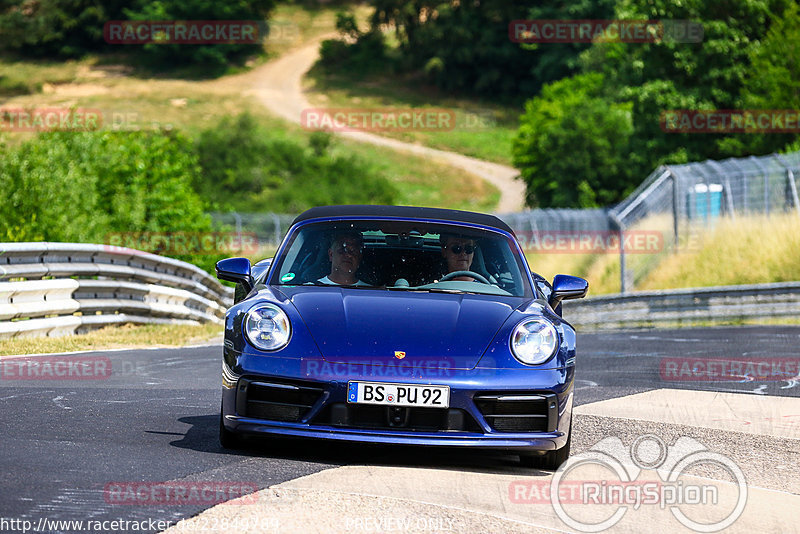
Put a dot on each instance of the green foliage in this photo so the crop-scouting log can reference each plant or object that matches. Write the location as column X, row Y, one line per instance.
column 461, row 46
column 737, row 64
column 359, row 53
column 12, row 87
column 772, row 83
column 73, row 28
column 47, row 28
column 590, row 136
column 554, row 61
column 212, row 57
column 82, row 186
column 465, row 46
column 249, row 168
column 669, row 74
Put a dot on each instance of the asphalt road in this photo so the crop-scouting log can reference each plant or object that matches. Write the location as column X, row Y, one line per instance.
column 155, row 416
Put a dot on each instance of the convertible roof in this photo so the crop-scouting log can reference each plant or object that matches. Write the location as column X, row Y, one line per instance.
column 439, row 214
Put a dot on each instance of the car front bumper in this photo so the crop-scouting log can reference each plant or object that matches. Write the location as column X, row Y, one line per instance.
column 248, row 407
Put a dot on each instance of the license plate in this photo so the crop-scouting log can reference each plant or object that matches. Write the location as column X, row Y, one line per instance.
column 398, row 394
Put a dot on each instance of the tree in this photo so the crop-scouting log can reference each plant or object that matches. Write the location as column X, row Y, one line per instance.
column 773, row 83
column 669, row 74
column 647, row 80
column 572, row 145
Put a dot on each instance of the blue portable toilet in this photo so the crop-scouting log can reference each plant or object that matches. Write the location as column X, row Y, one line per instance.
column 707, row 201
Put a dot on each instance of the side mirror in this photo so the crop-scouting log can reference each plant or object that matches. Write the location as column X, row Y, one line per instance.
column 236, row 270
column 567, row 287
column 261, row 268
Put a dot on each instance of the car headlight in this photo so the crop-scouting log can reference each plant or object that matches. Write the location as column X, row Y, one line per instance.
column 267, row 327
column 534, row 341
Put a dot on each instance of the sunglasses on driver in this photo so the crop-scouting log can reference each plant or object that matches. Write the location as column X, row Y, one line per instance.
column 456, row 249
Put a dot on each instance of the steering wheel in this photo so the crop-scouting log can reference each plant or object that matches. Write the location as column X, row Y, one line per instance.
column 479, row 277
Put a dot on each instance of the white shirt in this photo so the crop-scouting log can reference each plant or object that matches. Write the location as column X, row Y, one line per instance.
column 327, row 280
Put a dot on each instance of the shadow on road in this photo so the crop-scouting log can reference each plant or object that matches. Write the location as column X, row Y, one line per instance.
column 202, row 436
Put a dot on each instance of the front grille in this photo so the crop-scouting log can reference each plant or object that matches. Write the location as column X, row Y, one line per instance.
column 396, row 418
column 519, row 412
column 276, row 400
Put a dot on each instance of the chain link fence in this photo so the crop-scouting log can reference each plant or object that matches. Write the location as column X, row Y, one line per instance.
column 682, row 200
column 658, row 218
column 269, row 228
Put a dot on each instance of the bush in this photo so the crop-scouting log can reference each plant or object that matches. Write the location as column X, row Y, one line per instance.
column 358, row 54
column 572, row 146
column 81, row 186
column 49, row 28
column 247, row 167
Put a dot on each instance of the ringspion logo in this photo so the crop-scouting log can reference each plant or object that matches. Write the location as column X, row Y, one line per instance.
column 593, row 490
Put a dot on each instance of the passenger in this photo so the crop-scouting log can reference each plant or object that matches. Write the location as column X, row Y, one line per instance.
column 458, row 253
column 345, row 254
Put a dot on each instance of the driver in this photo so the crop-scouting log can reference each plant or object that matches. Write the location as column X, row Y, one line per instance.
column 345, row 256
column 458, row 253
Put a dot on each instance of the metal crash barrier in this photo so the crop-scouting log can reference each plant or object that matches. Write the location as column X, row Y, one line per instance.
column 52, row 289
column 686, row 306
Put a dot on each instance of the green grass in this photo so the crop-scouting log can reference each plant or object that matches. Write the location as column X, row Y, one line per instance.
column 114, row 337
column 481, row 129
column 29, row 76
column 421, row 182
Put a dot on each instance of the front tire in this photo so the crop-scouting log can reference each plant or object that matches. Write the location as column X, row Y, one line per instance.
column 228, row 439
column 551, row 460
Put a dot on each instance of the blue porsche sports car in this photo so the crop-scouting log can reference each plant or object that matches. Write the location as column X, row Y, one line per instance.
column 386, row 324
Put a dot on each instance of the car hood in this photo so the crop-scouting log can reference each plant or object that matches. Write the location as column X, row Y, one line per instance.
column 440, row 330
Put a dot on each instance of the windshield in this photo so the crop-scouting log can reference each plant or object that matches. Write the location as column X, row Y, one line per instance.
column 402, row 256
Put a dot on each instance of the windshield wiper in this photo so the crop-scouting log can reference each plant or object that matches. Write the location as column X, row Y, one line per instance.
column 424, row 289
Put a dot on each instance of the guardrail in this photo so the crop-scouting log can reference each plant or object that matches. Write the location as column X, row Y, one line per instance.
column 685, row 306
column 63, row 288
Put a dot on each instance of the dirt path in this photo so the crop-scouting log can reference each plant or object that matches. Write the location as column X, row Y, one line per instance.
column 277, row 85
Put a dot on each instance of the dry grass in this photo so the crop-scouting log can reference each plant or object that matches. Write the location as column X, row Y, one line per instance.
column 745, row 250
column 292, row 26
column 115, row 337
